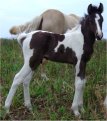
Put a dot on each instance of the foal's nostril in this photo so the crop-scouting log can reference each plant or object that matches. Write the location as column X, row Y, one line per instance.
column 99, row 36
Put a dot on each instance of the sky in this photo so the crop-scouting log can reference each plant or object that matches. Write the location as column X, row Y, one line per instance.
column 16, row 12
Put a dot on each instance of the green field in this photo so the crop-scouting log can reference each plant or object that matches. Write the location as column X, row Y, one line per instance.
column 52, row 99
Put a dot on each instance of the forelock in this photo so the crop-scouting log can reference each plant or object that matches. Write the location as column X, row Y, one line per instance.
column 95, row 9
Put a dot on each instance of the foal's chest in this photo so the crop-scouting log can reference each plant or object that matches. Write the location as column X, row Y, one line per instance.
column 74, row 42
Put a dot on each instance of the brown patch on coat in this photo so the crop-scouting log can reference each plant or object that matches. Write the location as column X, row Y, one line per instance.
column 43, row 42
column 62, row 55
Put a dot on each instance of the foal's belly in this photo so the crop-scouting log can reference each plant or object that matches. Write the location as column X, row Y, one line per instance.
column 62, row 57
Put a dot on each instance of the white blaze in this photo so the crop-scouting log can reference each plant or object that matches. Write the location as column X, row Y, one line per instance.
column 98, row 26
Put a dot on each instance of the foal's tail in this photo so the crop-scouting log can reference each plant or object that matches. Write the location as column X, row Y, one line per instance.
column 27, row 27
column 21, row 37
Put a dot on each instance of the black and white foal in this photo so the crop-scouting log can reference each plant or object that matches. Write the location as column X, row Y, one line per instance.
column 75, row 47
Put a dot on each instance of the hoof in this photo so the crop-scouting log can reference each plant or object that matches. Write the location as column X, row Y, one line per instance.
column 76, row 112
column 28, row 106
column 6, row 110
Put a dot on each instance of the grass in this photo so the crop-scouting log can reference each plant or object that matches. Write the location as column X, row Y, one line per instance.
column 52, row 99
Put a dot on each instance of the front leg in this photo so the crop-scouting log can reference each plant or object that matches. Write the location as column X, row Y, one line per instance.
column 79, row 86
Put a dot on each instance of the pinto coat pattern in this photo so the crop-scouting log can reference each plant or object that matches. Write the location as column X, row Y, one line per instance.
column 75, row 47
column 50, row 20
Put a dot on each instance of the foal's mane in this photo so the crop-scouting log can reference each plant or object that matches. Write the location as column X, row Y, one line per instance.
column 84, row 20
column 94, row 10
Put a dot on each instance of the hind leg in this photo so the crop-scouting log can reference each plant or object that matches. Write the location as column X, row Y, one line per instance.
column 18, row 79
column 26, row 82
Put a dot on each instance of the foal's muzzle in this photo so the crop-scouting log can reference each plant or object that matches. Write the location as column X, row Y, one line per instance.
column 99, row 36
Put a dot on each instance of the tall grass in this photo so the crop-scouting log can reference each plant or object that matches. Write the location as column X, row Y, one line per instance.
column 52, row 99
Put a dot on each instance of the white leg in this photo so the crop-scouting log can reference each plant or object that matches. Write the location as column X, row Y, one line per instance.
column 79, row 86
column 26, row 82
column 18, row 79
column 81, row 97
column 105, row 103
column 78, row 96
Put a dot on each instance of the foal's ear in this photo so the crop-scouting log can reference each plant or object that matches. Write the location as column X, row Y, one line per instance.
column 89, row 9
column 100, row 9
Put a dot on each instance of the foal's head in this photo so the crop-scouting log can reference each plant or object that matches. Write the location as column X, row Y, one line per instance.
column 95, row 20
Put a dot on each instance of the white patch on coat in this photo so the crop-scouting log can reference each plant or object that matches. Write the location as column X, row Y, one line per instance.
column 73, row 40
column 99, row 31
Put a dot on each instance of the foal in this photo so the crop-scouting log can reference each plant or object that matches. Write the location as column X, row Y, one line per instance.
column 75, row 47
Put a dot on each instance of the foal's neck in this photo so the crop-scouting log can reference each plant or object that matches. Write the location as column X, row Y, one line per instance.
column 89, row 36
column 89, row 40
